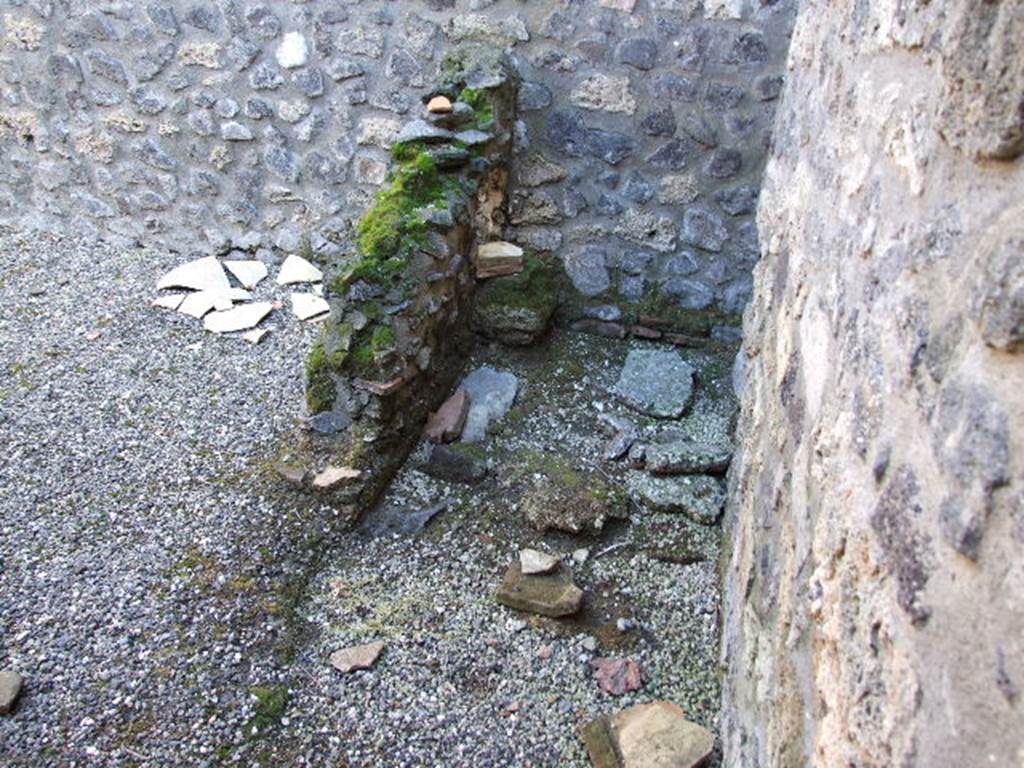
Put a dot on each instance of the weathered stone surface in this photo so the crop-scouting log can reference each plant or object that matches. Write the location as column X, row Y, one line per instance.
column 497, row 259
column 699, row 497
column 358, row 657
column 552, row 595
column 604, row 93
column 617, row 676
column 10, row 688
column 450, row 464
column 492, row 394
column 330, row 478
column 446, row 424
column 516, row 309
column 656, row 382
column 563, row 498
column 876, row 487
column 532, row 562
column 655, row 735
column 682, row 457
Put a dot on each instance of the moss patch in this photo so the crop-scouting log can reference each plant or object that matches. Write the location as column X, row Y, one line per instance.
column 320, row 391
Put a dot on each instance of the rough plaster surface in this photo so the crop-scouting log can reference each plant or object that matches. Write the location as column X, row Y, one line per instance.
column 229, row 124
column 875, row 609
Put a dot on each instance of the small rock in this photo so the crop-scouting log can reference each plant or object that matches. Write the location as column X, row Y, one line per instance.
column 10, row 688
column 619, row 446
column 255, row 336
column 491, row 395
column 658, row 383
column 545, row 652
column 446, row 424
column 617, row 676
column 645, row 736
column 699, row 497
column 358, row 657
column 687, row 458
column 589, row 644
column 533, row 562
column 439, row 105
column 331, row 477
column 291, row 474
column 497, row 259
column 452, row 466
column 579, row 556
column 554, row 595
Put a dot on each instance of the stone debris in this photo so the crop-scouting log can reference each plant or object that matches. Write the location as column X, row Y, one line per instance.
column 204, row 274
column 358, row 657
column 617, row 676
column 553, row 595
column 239, row 318
column 421, row 130
column 291, row 474
column 473, row 138
column 307, row 306
column 10, row 688
column 248, row 273
column 200, row 303
column 683, row 457
column 439, row 105
column 331, row 477
column 491, row 395
column 533, row 562
column 450, row 465
column 655, row 735
column 446, row 424
column 700, row 497
column 498, row 259
column 657, row 383
column 171, row 301
column 297, row 270
column 255, row 336
column 400, row 520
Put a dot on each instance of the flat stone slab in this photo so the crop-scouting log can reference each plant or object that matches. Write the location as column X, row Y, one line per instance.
column 307, row 306
column 402, row 521
column 171, row 301
column 534, row 562
column 10, row 688
column 658, row 383
column 200, row 275
column 297, row 270
column 497, row 259
column 682, row 457
column 553, row 595
column 248, row 273
column 357, row 657
column 655, row 735
column 491, row 395
column 237, row 319
column 700, row 497
column 421, row 130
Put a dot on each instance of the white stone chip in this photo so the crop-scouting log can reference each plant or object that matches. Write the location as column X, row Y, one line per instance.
column 239, row 318
column 297, row 270
column 292, row 52
column 199, row 303
column 200, row 275
column 306, row 306
column 248, row 273
column 170, row 301
column 255, row 335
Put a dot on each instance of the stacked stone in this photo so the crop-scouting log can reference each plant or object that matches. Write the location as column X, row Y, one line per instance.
column 400, row 307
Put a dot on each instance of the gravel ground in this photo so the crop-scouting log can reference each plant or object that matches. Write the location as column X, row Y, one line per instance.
column 170, row 604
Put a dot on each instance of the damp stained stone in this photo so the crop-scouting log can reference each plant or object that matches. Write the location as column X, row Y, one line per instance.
column 657, row 383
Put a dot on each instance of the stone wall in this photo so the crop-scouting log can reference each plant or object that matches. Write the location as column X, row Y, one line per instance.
column 249, row 125
column 875, row 609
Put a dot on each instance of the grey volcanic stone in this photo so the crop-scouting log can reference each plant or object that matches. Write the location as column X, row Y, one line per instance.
column 450, row 464
column 10, row 689
column 684, row 457
column 658, row 383
column 704, row 229
column 640, row 52
column 699, row 497
column 492, row 394
column 421, row 130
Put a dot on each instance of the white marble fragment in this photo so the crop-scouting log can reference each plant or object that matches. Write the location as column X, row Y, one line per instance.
column 306, row 306
column 292, row 52
column 239, row 318
column 170, row 301
column 297, row 270
column 248, row 273
column 200, row 275
column 199, row 303
column 255, row 335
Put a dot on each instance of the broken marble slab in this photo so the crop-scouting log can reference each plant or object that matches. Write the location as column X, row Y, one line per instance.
column 255, row 335
column 199, row 303
column 204, row 274
column 171, row 301
column 297, row 270
column 358, row 657
column 248, row 273
column 239, row 318
column 306, row 306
